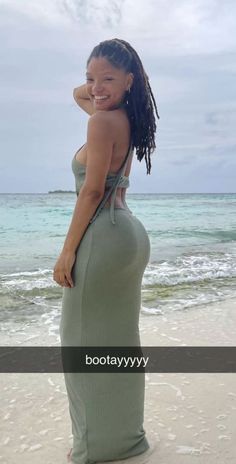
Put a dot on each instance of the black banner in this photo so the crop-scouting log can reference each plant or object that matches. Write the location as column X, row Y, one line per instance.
column 180, row 359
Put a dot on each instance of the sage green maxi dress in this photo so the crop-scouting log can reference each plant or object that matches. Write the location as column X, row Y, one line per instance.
column 102, row 309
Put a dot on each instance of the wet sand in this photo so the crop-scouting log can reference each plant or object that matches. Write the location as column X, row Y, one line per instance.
column 189, row 418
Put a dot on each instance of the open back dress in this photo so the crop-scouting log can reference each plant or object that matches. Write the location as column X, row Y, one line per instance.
column 102, row 309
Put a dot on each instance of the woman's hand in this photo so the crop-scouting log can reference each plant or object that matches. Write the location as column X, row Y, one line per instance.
column 63, row 267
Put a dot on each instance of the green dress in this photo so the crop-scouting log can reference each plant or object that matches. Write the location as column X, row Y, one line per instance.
column 102, row 309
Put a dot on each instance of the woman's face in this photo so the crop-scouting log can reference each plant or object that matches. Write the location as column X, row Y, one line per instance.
column 104, row 80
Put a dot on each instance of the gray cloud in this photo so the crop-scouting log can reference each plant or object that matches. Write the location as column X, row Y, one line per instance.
column 188, row 53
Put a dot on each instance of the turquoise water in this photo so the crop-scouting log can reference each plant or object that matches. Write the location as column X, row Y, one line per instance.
column 193, row 252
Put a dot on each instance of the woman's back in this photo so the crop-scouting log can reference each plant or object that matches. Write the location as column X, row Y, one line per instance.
column 122, row 134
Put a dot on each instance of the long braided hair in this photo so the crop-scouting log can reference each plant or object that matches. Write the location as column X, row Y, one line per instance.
column 139, row 102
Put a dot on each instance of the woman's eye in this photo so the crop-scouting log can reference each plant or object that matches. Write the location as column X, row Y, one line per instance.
column 88, row 79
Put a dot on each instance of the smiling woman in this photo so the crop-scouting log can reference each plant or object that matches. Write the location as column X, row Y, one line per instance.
column 105, row 254
column 106, row 84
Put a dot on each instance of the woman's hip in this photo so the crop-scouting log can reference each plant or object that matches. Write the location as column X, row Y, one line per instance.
column 126, row 241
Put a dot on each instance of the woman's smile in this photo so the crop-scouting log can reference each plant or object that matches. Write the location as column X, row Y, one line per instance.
column 100, row 99
column 106, row 84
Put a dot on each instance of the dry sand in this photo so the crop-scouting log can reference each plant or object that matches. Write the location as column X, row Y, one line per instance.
column 189, row 418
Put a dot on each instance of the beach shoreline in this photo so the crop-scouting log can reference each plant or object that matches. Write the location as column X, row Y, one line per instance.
column 189, row 417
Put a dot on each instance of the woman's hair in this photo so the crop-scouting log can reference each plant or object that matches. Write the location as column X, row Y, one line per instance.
column 139, row 102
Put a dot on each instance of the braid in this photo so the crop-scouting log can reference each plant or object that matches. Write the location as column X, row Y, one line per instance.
column 140, row 102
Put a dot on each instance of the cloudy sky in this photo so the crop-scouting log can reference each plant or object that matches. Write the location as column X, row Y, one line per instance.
column 188, row 49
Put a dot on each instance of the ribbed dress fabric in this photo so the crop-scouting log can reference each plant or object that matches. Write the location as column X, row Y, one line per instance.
column 102, row 309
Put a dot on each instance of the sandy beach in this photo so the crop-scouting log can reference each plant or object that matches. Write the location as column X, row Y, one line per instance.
column 189, row 418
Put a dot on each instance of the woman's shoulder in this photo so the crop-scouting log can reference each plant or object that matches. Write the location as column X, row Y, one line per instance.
column 108, row 116
column 100, row 124
column 106, row 121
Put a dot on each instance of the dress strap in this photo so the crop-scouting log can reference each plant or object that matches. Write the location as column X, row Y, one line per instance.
column 113, row 189
column 113, row 195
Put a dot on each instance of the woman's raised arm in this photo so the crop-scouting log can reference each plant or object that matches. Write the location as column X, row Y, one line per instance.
column 82, row 99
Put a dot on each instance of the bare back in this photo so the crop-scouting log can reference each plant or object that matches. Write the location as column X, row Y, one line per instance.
column 120, row 148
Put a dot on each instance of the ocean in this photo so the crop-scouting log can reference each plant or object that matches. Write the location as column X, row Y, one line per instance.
column 192, row 262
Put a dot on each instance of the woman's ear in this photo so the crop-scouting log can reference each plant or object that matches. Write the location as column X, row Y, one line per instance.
column 131, row 80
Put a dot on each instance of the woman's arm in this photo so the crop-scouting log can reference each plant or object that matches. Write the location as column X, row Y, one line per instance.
column 100, row 137
column 85, row 207
column 100, row 140
column 82, row 99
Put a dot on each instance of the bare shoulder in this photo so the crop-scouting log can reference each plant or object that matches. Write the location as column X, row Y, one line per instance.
column 104, row 117
column 103, row 124
column 100, row 125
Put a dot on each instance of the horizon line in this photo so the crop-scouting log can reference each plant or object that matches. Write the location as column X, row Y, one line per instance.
column 137, row 193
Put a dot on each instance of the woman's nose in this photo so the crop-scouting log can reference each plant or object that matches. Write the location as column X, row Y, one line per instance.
column 97, row 87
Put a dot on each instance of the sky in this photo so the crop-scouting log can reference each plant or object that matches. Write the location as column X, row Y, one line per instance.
column 188, row 50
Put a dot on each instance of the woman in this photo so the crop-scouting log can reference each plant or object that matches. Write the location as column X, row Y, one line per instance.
column 105, row 254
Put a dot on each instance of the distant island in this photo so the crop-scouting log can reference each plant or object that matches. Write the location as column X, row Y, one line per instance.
column 61, row 191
